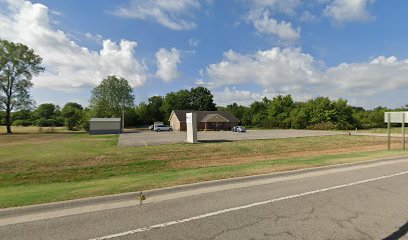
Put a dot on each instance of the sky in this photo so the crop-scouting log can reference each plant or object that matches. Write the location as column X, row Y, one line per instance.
column 242, row 50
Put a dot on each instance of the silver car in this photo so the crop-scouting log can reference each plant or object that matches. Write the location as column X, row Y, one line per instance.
column 159, row 128
column 239, row 129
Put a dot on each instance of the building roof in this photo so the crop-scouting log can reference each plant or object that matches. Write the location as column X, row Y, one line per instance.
column 105, row 120
column 206, row 116
column 214, row 117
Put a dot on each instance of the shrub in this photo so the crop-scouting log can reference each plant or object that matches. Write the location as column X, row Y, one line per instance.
column 24, row 123
column 42, row 122
column 322, row 126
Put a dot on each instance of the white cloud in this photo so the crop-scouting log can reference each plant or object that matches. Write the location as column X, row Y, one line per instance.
column 342, row 11
column 167, row 64
column 173, row 14
column 192, row 42
column 274, row 68
column 68, row 65
column 368, row 78
column 307, row 16
column 287, row 6
column 264, row 23
column 231, row 95
column 94, row 37
column 290, row 71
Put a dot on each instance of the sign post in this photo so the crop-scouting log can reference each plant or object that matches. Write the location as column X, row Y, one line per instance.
column 191, row 121
column 403, row 130
column 395, row 117
column 389, row 130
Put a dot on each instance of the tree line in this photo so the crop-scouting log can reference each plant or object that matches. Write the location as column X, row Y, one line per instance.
column 113, row 97
column 279, row 112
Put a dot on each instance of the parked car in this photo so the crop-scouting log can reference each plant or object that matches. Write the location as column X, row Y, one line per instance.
column 159, row 128
column 238, row 129
column 153, row 127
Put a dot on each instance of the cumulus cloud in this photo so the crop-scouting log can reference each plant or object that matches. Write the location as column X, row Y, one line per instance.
column 368, row 78
column 261, row 12
column 167, row 64
column 68, row 65
column 342, row 11
column 264, row 23
column 290, row 71
column 173, row 14
column 231, row 95
column 273, row 68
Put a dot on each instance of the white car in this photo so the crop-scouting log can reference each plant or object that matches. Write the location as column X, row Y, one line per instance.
column 159, row 128
column 238, row 129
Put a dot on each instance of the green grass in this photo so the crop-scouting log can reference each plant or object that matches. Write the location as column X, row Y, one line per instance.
column 383, row 130
column 38, row 168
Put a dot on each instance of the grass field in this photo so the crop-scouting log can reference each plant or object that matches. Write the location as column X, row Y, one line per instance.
column 38, row 168
column 384, row 130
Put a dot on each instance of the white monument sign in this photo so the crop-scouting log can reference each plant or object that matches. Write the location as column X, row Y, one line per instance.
column 191, row 121
column 396, row 117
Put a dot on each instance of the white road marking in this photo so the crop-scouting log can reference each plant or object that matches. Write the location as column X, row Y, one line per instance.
column 161, row 225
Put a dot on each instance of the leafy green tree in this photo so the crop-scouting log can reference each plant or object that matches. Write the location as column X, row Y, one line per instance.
column 142, row 113
column 176, row 101
column 279, row 110
column 111, row 96
column 237, row 110
column 202, row 99
column 299, row 116
column 18, row 64
column 258, row 111
column 72, row 114
column 46, row 111
column 47, row 115
column 154, row 105
column 23, row 117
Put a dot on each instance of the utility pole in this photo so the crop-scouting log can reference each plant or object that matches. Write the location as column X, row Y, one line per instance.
column 123, row 119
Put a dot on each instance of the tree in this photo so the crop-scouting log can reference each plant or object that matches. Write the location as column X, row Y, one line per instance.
column 46, row 111
column 279, row 112
column 72, row 113
column 111, row 96
column 238, row 111
column 202, row 99
column 47, row 115
column 18, row 64
column 153, row 106
column 175, row 101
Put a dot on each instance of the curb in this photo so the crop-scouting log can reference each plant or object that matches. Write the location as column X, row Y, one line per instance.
column 9, row 212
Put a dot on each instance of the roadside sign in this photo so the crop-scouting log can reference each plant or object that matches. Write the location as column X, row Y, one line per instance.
column 395, row 117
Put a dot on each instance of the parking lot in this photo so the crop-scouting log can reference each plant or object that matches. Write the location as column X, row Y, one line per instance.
column 148, row 138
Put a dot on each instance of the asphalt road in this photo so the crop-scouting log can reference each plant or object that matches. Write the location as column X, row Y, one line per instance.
column 145, row 138
column 366, row 201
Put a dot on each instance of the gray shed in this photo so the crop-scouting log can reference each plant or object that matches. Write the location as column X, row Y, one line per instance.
column 105, row 125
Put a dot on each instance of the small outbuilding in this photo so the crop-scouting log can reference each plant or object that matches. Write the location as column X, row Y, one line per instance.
column 105, row 125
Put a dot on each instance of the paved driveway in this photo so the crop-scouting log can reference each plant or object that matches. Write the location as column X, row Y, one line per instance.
column 146, row 138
